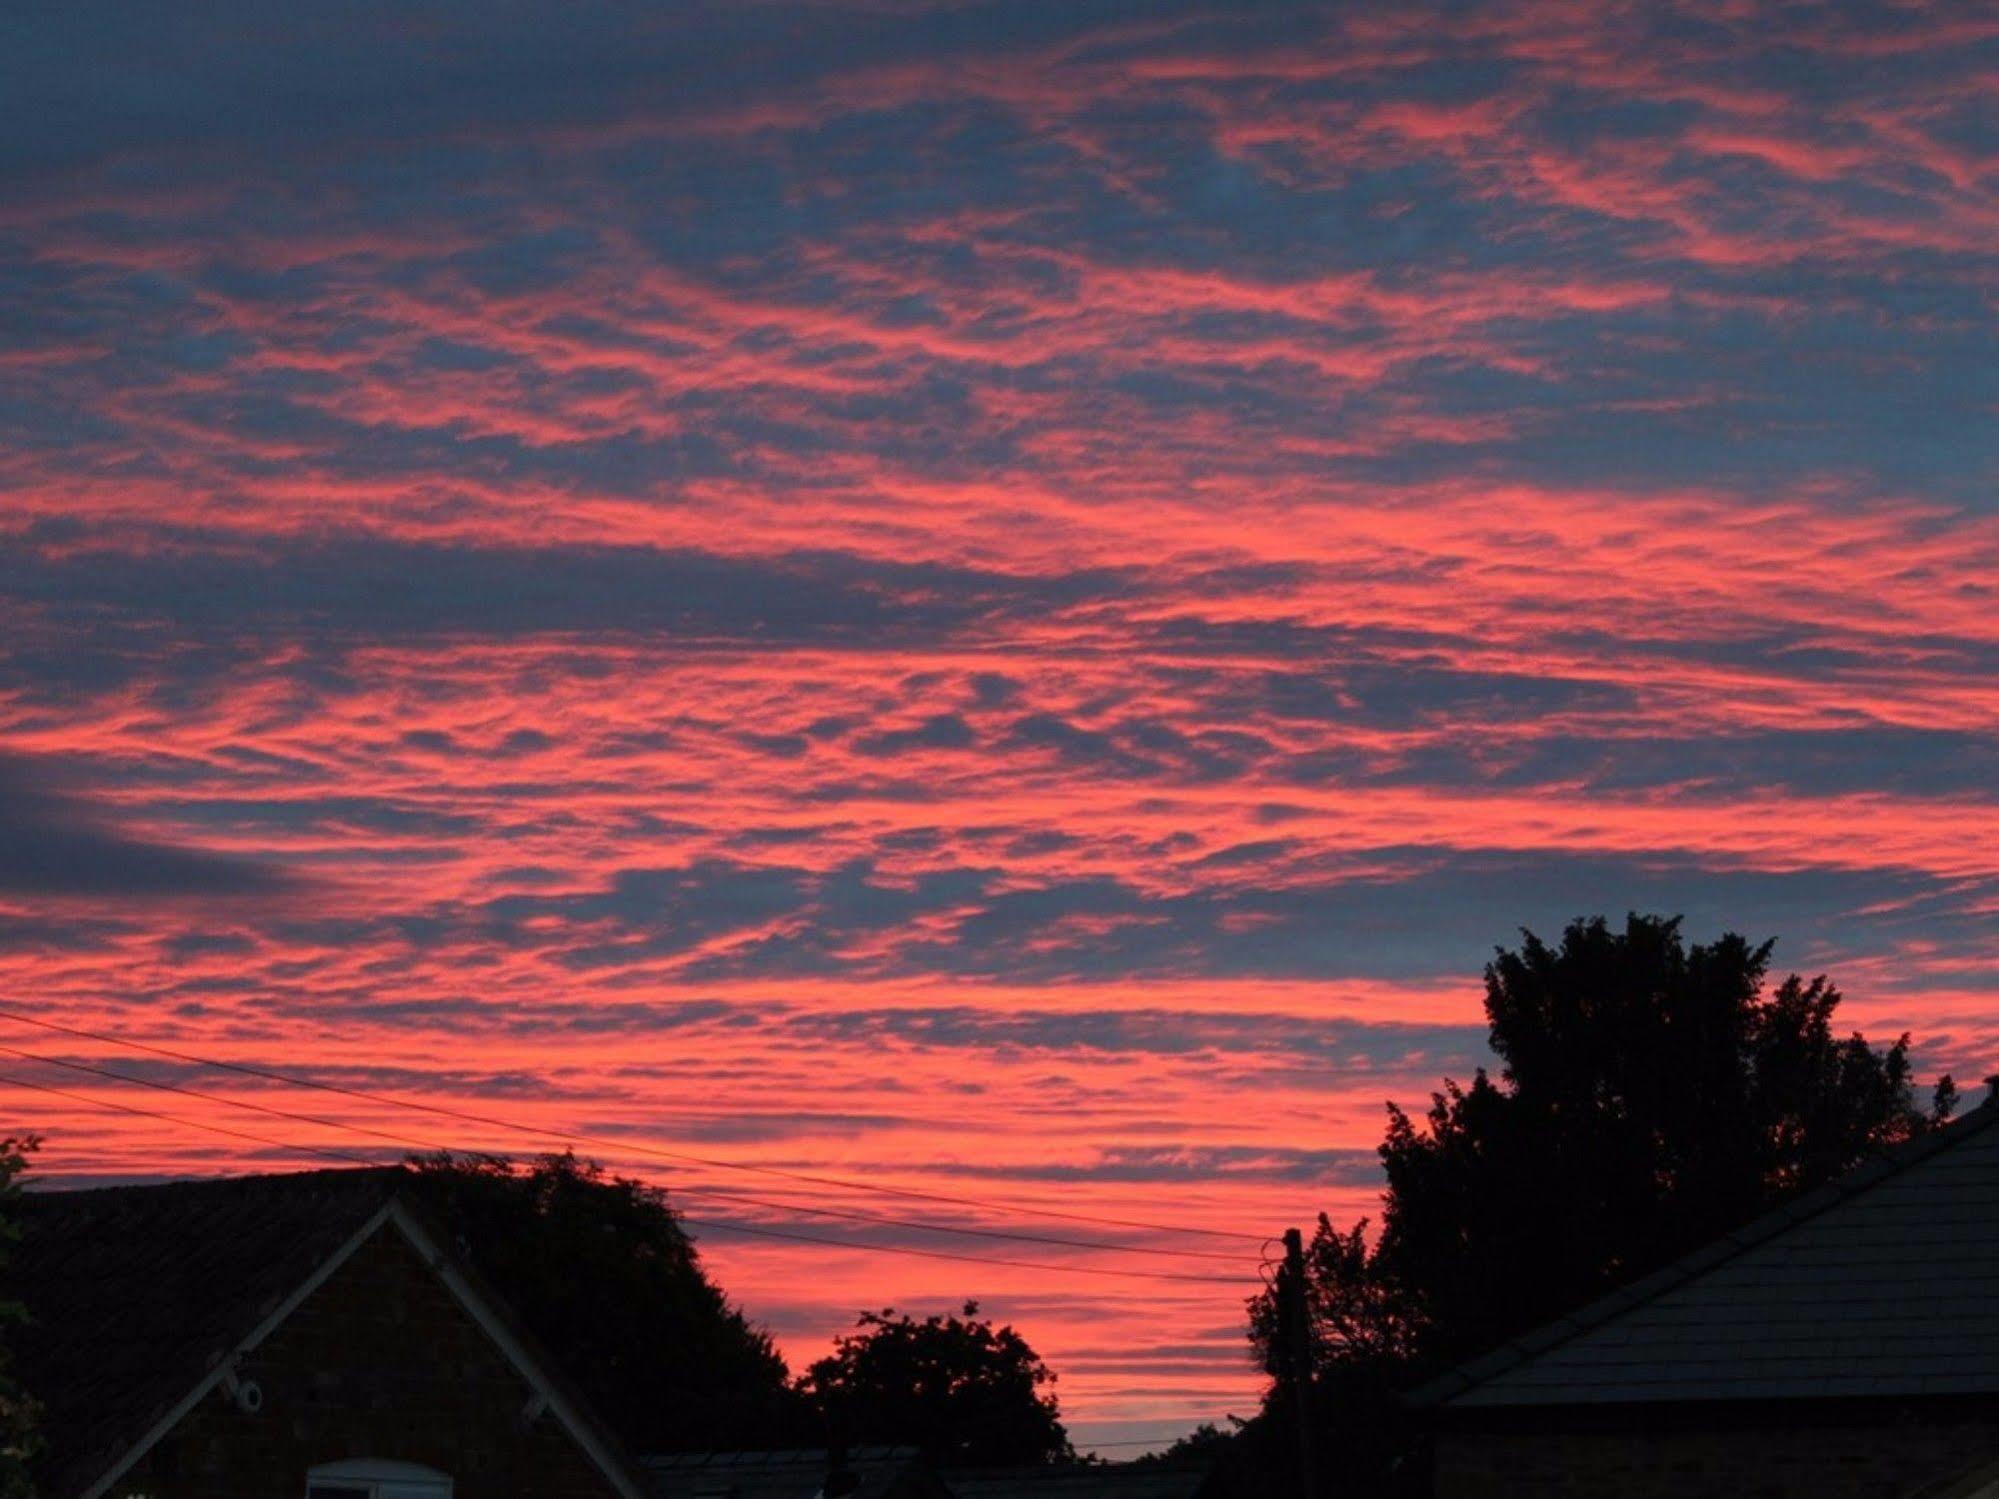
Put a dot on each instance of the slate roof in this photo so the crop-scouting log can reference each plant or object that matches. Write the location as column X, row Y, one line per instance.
column 133, row 1293
column 789, row 1473
column 1883, row 1284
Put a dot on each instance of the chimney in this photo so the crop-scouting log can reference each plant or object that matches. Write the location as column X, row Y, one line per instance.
column 1991, row 1092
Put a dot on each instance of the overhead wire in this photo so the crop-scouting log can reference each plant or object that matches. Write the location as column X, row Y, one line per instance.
column 968, row 1259
column 464, row 1116
column 713, row 1225
column 409, row 1143
column 92, row 1100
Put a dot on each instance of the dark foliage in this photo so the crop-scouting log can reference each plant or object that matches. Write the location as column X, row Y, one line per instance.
column 965, row 1391
column 20, row 1437
column 1206, row 1443
column 1651, row 1096
column 597, row 1267
column 1232, row 1458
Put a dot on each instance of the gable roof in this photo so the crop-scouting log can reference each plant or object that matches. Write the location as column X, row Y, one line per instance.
column 139, row 1298
column 1882, row 1284
column 134, row 1293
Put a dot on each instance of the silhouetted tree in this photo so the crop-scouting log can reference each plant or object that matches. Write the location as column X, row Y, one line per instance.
column 598, row 1268
column 1651, row 1096
column 960, row 1388
column 20, row 1416
column 1228, row 1455
column 1205, row 1443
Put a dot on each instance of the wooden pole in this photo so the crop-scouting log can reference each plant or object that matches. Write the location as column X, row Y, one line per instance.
column 1298, row 1346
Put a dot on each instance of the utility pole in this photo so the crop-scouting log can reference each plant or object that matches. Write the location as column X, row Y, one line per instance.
column 1297, row 1319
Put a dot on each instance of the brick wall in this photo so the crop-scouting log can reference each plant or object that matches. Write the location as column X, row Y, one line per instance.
column 1858, row 1459
column 379, row 1361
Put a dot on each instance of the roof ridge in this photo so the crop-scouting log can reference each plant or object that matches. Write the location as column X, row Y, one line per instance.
column 32, row 1188
column 1697, row 1262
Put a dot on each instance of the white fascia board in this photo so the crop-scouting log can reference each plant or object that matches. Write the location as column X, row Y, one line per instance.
column 225, row 1366
column 496, row 1327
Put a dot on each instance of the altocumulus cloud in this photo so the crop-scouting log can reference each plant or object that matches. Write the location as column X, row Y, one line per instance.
column 54, row 843
column 1015, row 591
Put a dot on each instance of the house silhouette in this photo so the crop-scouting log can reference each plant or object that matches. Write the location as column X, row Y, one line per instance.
column 1844, row 1344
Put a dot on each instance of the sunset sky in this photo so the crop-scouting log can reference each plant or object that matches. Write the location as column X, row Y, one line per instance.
column 1004, row 600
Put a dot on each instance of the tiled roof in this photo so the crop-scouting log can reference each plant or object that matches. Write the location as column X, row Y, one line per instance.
column 134, row 1293
column 1883, row 1284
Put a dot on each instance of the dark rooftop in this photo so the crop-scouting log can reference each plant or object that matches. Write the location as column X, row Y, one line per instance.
column 134, row 1293
column 1884, row 1284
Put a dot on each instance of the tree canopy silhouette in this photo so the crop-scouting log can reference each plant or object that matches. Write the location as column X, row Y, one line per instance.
column 598, row 1268
column 965, row 1391
column 1651, row 1095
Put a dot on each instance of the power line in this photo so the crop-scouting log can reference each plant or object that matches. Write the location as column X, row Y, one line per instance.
column 968, row 1259
column 711, row 1224
column 402, row 1141
column 491, row 1122
column 407, row 1143
column 948, row 1228
column 125, row 1108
